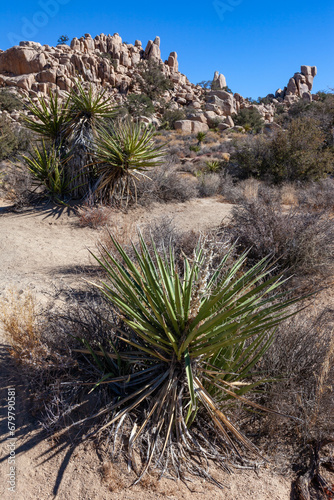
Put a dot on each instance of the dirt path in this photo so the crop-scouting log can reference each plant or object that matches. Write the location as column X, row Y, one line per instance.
column 46, row 251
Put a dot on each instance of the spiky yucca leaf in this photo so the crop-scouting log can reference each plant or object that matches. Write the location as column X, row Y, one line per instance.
column 49, row 118
column 48, row 168
column 200, row 334
column 87, row 109
column 123, row 153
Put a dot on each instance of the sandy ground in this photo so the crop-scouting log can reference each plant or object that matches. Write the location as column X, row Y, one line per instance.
column 47, row 252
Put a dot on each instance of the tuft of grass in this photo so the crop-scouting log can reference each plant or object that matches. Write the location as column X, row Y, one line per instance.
column 93, row 216
column 18, row 314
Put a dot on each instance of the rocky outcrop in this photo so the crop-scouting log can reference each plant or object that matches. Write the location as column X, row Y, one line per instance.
column 299, row 86
column 219, row 81
column 107, row 62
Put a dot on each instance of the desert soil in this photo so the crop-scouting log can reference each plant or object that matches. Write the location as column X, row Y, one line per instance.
column 46, row 251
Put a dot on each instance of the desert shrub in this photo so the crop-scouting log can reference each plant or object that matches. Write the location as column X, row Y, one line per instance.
column 139, row 105
column 208, row 184
column 317, row 195
column 17, row 184
column 10, row 101
column 303, row 242
column 12, row 140
column 165, row 184
column 151, row 79
column 250, row 119
column 170, row 116
column 301, row 361
column 321, row 111
column 299, row 153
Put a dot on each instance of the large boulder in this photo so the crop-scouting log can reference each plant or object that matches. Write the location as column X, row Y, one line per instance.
column 172, row 62
column 190, row 126
column 219, row 81
column 22, row 60
column 309, row 72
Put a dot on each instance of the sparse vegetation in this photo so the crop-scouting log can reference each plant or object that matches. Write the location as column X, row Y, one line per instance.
column 151, row 80
column 12, row 141
column 10, row 101
column 299, row 153
column 303, row 242
column 249, row 119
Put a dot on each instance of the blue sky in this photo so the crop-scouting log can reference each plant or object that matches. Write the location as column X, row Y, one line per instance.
column 257, row 44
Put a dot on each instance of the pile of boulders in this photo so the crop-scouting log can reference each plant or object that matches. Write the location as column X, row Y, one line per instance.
column 107, row 62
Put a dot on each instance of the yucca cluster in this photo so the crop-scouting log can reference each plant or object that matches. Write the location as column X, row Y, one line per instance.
column 83, row 151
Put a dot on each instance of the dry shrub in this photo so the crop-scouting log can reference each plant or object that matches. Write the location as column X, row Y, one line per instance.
column 18, row 313
column 301, row 360
column 17, row 185
column 250, row 189
column 165, row 184
column 318, row 195
column 208, row 185
column 289, row 195
column 93, row 216
column 303, row 242
column 123, row 228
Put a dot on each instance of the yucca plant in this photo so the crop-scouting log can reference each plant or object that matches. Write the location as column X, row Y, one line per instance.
column 123, row 153
column 193, row 339
column 213, row 165
column 48, row 167
column 88, row 109
column 200, row 138
column 49, row 118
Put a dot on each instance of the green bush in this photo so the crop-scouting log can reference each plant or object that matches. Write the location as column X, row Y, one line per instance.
column 139, row 105
column 299, row 153
column 250, row 119
column 151, row 80
column 9, row 101
column 169, row 117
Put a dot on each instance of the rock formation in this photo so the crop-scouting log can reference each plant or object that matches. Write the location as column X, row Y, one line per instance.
column 107, row 62
column 299, row 86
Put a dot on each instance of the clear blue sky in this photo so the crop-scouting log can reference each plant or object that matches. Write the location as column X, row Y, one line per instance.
column 257, row 44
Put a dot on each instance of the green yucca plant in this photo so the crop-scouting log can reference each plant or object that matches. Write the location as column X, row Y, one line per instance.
column 48, row 168
column 192, row 341
column 87, row 109
column 213, row 165
column 123, row 153
column 49, row 119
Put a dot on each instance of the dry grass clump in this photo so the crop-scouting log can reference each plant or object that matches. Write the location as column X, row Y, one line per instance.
column 18, row 314
column 93, row 216
column 289, row 194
